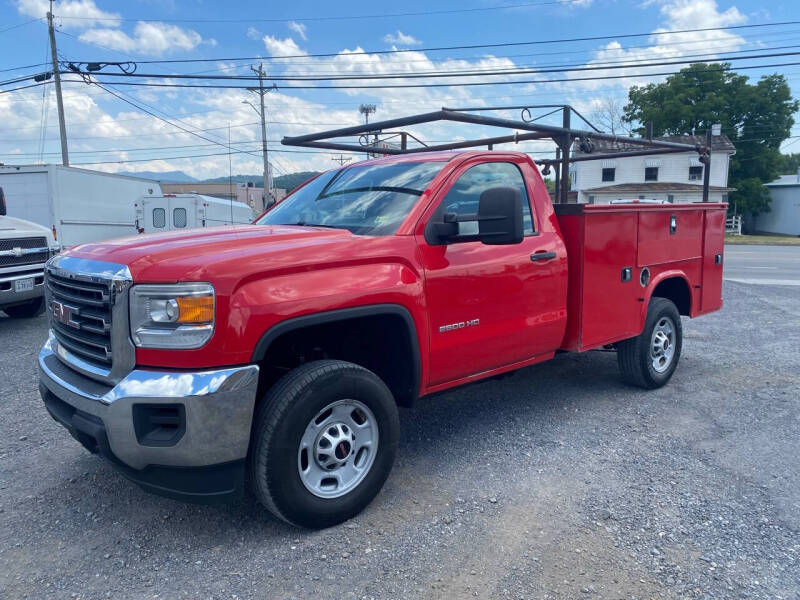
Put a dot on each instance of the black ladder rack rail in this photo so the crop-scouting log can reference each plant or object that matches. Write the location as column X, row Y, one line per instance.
column 562, row 136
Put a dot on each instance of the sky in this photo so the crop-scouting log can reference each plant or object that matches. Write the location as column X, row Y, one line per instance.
column 109, row 127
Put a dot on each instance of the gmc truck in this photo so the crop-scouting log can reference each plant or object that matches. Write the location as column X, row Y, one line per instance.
column 275, row 355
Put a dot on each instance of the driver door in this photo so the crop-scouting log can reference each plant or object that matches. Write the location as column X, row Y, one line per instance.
column 489, row 306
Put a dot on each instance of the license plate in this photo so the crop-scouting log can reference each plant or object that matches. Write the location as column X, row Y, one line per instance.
column 23, row 285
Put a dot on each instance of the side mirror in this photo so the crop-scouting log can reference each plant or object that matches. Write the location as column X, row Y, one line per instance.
column 3, row 210
column 499, row 219
column 500, row 216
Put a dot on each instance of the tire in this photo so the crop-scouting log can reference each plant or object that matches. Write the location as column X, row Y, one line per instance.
column 645, row 360
column 32, row 308
column 291, row 419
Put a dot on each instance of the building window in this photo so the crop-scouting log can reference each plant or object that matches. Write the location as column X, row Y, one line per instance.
column 641, row 197
column 591, row 199
column 651, row 173
column 671, row 199
column 573, row 178
column 695, row 173
column 724, row 197
column 608, row 174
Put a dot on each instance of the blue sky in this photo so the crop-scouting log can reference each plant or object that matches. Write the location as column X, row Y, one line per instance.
column 105, row 131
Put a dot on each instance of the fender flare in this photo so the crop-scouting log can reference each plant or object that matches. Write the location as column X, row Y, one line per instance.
column 344, row 314
column 671, row 274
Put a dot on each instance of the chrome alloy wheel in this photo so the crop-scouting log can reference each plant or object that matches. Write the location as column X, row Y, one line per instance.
column 338, row 448
column 662, row 344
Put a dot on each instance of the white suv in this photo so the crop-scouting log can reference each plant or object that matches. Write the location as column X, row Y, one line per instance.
column 24, row 248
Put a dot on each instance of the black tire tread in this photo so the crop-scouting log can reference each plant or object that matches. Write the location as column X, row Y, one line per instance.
column 269, row 414
column 630, row 351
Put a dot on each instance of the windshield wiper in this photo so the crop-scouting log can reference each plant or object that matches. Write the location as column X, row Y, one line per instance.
column 304, row 224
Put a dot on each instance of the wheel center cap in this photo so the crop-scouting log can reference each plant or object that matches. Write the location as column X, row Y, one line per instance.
column 342, row 450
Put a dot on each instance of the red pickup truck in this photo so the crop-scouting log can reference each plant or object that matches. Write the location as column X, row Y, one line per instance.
column 277, row 353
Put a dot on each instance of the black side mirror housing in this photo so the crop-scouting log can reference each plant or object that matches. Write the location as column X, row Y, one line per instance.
column 3, row 211
column 500, row 216
column 499, row 220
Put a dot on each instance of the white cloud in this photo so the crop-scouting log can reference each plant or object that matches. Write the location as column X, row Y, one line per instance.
column 253, row 33
column 401, row 39
column 284, row 47
column 76, row 13
column 298, row 28
column 678, row 15
column 148, row 38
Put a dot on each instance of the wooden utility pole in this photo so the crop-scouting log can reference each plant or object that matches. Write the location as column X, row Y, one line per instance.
column 267, row 195
column 54, row 56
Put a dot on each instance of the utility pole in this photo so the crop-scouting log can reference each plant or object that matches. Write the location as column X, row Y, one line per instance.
column 54, row 55
column 367, row 110
column 267, row 195
column 341, row 159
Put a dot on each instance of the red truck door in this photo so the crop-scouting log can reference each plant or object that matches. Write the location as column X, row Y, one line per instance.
column 490, row 306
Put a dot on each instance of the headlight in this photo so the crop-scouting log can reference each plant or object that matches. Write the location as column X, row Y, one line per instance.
column 172, row 316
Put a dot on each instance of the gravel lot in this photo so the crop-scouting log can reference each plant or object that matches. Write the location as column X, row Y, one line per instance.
column 559, row 482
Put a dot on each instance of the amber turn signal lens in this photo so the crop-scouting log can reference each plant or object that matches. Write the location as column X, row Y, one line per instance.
column 195, row 309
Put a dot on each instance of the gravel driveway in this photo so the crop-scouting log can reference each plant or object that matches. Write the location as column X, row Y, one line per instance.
column 558, row 482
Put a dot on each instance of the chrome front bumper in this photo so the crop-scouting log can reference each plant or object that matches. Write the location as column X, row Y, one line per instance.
column 9, row 297
column 217, row 407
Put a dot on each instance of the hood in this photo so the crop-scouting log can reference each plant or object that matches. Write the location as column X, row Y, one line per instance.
column 11, row 227
column 211, row 254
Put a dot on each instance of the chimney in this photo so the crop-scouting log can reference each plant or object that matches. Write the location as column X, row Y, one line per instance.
column 716, row 129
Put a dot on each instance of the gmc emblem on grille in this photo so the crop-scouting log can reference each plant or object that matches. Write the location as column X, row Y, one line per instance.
column 64, row 313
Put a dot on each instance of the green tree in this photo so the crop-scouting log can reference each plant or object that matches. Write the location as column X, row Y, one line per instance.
column 757, row 118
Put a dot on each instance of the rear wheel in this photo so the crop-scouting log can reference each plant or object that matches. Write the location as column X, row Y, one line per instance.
column 649, row 359
column 31, row 308
column 323, row 443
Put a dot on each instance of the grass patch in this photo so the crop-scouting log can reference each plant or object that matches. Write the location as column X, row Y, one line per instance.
column 756, row 240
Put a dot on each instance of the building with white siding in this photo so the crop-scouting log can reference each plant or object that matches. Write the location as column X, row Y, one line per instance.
column 784, row 215
column 674, row 177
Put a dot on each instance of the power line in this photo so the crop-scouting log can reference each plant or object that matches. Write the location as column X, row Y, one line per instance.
column 20, row 25
column 345, row 17
column 454, row 85
column 473, row 46
column 613, row 65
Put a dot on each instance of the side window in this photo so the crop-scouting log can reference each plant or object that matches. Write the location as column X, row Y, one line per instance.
column 179, row 217
column 466, row 191
column 159, row 218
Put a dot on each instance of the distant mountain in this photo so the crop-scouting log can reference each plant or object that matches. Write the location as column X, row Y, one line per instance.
column 168, row 176
column 287, row 182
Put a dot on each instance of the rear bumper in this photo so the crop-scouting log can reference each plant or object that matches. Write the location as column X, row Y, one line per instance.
column 199, row 452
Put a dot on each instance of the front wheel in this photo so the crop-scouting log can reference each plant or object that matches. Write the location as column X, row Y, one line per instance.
column 323, row 443
column 649, row 359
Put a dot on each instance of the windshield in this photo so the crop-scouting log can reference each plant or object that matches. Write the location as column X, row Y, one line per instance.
column 368, row 200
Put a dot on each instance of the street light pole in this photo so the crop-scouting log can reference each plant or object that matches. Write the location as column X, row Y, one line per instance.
column 367, row 110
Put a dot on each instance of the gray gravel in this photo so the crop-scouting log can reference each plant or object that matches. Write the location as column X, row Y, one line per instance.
column 559, row 482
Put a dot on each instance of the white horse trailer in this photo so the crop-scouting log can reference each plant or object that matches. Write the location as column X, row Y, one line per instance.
column 77, row 205
column 185, row 211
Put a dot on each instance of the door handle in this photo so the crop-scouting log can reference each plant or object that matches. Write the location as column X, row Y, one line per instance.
column 537, row 256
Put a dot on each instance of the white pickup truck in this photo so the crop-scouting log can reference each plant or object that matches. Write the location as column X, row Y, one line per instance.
column 24, row 248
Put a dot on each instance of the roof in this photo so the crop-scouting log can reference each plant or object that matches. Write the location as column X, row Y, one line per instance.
column 785, row 180
column 657, row 186
column 719, row 143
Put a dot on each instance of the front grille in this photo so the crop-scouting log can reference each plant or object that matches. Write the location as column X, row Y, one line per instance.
column 17, row 251
column 80, row 316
